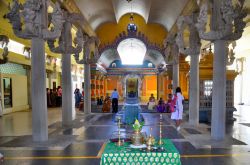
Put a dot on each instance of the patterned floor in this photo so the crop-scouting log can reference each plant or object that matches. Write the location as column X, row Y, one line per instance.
column 83, row 142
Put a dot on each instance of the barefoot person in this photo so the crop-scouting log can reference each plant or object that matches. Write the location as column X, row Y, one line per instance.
column 177, row 114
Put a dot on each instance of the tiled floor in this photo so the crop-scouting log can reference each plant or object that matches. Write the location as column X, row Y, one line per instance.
column 82, row 143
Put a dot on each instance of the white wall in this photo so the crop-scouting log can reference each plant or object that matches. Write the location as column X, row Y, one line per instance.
column 19, row 92
column 241, row 84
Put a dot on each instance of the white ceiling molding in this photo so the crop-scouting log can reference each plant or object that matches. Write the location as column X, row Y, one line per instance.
column 166, row 12
column 140, row 7
column 97, row 12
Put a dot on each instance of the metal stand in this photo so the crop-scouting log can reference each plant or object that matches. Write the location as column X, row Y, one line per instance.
column 160, row 136
column 119, row 143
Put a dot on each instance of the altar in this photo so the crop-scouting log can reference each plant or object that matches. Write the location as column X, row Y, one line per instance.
column 131, row 113
column 125, row 155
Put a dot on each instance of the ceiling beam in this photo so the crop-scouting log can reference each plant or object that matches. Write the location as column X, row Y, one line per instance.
column 71, row 6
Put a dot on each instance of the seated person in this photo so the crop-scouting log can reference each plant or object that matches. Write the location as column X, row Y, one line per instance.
column 161, row 106
column 81, row 105
column 151, row 102
column 106, row 104
column 168, row 103
column 99, row 100
column 131, row 94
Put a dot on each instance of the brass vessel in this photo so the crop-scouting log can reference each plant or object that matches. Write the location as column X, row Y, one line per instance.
column 137, row 138
column 150, row 141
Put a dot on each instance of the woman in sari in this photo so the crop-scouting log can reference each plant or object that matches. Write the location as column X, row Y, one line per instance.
column 106, row 104
column 161, row 106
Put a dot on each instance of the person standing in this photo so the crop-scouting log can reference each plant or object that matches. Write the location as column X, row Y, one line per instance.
column 1, row 109
column 77, row 97
column 177, row 114
column 115, row 98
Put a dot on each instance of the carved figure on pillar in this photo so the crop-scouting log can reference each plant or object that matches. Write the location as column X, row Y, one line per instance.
column 194, row 52
column 35, row 18
column 88, row 59
column 5, row 40
column 65, row 47
column 36, row 25
column 226, row 21
column 194, row 39
column 226, row 24
column 171, row 50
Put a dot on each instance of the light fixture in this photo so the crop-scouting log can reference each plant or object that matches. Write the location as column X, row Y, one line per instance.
column 132, row 51
column 131, row 18
column 27, row 52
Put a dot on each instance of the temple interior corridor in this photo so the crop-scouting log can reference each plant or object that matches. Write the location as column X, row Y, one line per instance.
column 124, row 82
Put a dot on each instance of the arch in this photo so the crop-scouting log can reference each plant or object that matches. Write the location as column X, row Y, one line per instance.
column 124, row 82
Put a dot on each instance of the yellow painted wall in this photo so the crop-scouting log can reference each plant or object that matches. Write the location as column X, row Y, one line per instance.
column 109, row 31
column 151, row 87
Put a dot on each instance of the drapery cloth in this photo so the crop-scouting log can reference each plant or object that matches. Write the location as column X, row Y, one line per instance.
column 114, row 155
column 131, row 113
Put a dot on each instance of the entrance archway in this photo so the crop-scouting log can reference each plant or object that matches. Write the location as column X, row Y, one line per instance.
column 132, row 84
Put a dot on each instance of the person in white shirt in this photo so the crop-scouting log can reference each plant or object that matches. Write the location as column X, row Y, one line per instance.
column 115, row 98
column 177, row 115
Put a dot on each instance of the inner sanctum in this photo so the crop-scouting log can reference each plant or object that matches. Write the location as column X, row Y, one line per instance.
column 124, row 82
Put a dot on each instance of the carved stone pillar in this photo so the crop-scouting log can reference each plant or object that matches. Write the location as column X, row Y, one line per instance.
column 66, row 49
column 87, row 60
column 35, row 21
column 87, row 89
column 5, row 40
column 172, row 57
column 68, row 112
column 175, row 76
column 193, row 51
column 227, row 24
column 39, row 101
column 49, row 75
column 158, row 86
column 194, row 89
column 219, row 91
column 102, row 87
column 28, row 73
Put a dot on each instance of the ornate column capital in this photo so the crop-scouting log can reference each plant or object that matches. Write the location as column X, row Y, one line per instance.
column 65, row 40
column 35, row 18
column 194, row 39
column 4, row 40
column 89, row 56
column 226, row 20
column 171, row 50
column 27, row 67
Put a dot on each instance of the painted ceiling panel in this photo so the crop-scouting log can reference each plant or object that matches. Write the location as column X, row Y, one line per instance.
column 97, row 12
column 166, row 12
column 141, row 7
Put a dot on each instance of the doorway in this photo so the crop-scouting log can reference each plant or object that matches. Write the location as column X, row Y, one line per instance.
column 7, row 89
column 132, row 87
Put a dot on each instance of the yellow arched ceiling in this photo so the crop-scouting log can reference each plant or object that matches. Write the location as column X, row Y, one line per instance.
column 107, row 32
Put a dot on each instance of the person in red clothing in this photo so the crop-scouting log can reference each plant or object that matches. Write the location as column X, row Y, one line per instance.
column 82, row 92
column 59, row 96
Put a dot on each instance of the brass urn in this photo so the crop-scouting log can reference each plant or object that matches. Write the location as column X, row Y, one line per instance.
column 150, row 141
column 137, row 138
